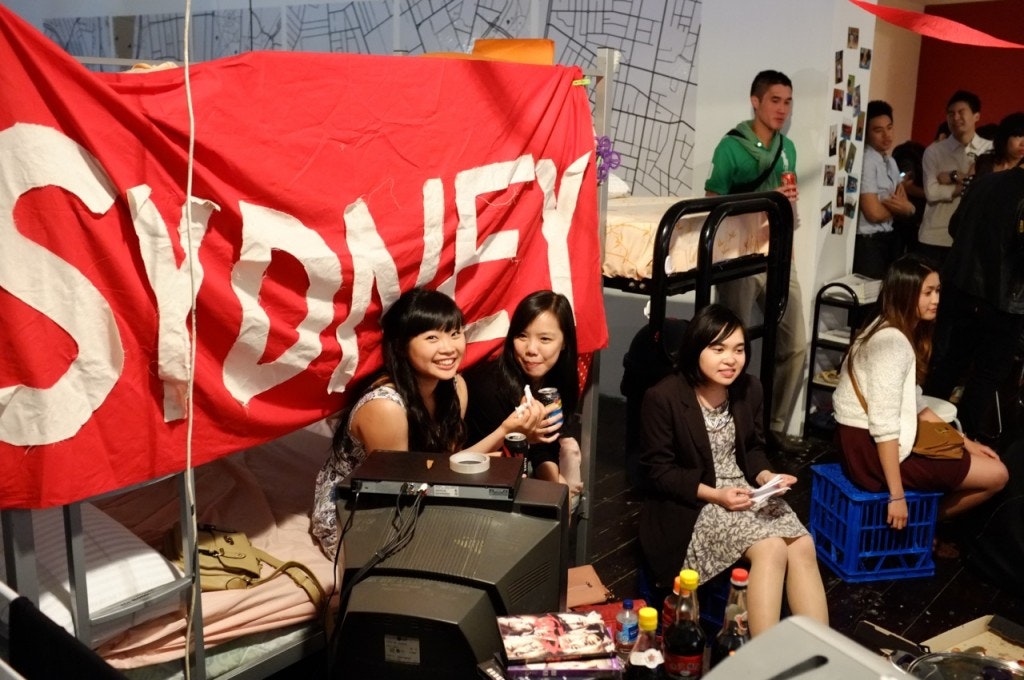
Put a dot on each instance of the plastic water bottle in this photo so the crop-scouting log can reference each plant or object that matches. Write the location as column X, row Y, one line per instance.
column 627, row 627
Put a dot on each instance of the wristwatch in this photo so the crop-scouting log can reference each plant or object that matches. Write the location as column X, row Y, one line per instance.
column 953, row 176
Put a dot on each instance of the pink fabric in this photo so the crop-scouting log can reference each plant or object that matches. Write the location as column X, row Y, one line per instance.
column 265, row 492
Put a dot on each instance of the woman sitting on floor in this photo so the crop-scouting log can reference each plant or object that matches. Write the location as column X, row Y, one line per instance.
column 888, row 360
column 539, row 351
column 416, row 402
column 703, row 453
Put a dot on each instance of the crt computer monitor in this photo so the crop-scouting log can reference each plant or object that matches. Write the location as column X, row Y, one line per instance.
column 429, row 611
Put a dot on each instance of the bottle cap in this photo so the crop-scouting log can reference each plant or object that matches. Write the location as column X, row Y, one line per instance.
column 739, row 576
column 675, row 585
column 688, row 579
column 648, row 618
column 627, row 604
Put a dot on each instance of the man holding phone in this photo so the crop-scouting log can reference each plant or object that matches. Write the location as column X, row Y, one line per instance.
column 882, row 197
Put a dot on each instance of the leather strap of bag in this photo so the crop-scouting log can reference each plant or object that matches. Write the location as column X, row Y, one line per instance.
column 298, row 572
column 853, row 383
column 751, row 186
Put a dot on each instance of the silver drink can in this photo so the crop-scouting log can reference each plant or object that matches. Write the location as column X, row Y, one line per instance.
column 550, row 395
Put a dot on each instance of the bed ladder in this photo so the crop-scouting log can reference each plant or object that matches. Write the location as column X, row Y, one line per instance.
column 22, row 576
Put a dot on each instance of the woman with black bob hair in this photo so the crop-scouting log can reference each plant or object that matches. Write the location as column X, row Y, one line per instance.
column 703, row 455
column 415, row 402
column 539, row 351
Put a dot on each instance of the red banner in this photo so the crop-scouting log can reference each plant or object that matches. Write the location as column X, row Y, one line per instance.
column 932, row 26
column 324, row 185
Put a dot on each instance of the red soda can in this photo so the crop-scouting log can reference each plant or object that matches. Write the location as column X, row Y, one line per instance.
column 789, row 179
column 516, row 445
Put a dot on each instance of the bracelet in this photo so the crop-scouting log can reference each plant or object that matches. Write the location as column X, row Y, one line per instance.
column 900, row 498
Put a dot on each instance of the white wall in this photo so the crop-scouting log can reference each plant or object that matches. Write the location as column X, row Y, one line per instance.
column 799, row 38
column 894, row 78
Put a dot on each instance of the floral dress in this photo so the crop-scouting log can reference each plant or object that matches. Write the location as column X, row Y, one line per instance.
column 338, row 466
column 721, row 536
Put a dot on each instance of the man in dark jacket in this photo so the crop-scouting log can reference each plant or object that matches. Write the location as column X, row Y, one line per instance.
column 981, row 313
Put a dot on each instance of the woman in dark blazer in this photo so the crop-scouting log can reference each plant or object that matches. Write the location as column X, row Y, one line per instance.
column 703, row 456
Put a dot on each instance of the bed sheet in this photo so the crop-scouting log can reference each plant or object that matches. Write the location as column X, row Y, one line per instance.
column 632, row 224
column 266, row 492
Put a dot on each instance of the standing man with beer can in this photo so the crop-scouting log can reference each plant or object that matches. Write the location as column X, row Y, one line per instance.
column 755, row 156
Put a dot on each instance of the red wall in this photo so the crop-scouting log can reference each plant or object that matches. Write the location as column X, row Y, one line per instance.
column 995, row 75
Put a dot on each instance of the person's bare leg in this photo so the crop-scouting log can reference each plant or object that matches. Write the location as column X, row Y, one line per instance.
column 804, row 589
column 768, row 559
column 986, row 477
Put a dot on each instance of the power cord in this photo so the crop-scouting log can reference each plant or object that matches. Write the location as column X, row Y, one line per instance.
column 402, row 527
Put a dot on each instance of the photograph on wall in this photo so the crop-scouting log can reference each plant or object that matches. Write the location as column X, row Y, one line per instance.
column 826, row 213
column 856, row 101
column 839, row 67
column 837, row 224
column 840, row 190
column 850, row 208
column 851, row 84
column 837, row 99
column 865, row 57
column 851, row 157
column 842, row 153
column 832, row 140
column 853, row 37
column 847, row 129
column 851, row 185
column 830, row 175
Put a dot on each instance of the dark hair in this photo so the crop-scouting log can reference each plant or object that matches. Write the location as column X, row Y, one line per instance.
column 898, row 303
column 564, row 374
column 1010, row 126
column 878, row 108
column 943, row 129
column 765, row 79
column 972, row 100
column 417, row 311
column 709, row 325
column 908, row 157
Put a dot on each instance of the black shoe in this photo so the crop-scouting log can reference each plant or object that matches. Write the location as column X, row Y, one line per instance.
column 787, row 444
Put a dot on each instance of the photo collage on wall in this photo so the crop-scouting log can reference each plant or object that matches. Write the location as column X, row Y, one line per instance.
column 846, row 133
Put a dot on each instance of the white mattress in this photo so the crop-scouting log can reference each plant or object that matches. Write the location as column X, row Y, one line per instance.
column 632, row 224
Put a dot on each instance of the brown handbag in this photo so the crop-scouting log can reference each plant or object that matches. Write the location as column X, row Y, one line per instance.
column 936, row 440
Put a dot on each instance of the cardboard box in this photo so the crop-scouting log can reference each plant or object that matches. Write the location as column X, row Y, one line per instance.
column 585, row 587
column 992, row 636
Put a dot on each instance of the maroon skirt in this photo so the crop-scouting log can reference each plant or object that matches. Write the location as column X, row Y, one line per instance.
column 860, row 461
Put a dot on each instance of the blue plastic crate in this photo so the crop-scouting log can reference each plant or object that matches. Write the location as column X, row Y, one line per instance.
column 851, row 534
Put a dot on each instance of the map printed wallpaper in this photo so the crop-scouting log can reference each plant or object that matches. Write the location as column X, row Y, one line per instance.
column 654, row 95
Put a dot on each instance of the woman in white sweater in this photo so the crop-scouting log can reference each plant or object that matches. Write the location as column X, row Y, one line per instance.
column 889, row 359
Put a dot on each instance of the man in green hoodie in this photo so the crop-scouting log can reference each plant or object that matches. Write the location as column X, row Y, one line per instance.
column 751, row 157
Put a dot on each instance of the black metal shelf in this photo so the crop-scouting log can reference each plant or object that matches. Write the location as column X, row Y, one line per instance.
column 829, row 295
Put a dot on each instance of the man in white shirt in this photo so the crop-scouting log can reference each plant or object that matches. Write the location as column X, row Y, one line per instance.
column 947, row 165
column 882, row 197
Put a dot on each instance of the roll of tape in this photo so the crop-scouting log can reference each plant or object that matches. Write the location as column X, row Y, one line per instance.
column 469, row 463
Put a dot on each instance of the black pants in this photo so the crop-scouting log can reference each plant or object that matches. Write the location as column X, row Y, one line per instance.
column 973, row 340
column 872, row 254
